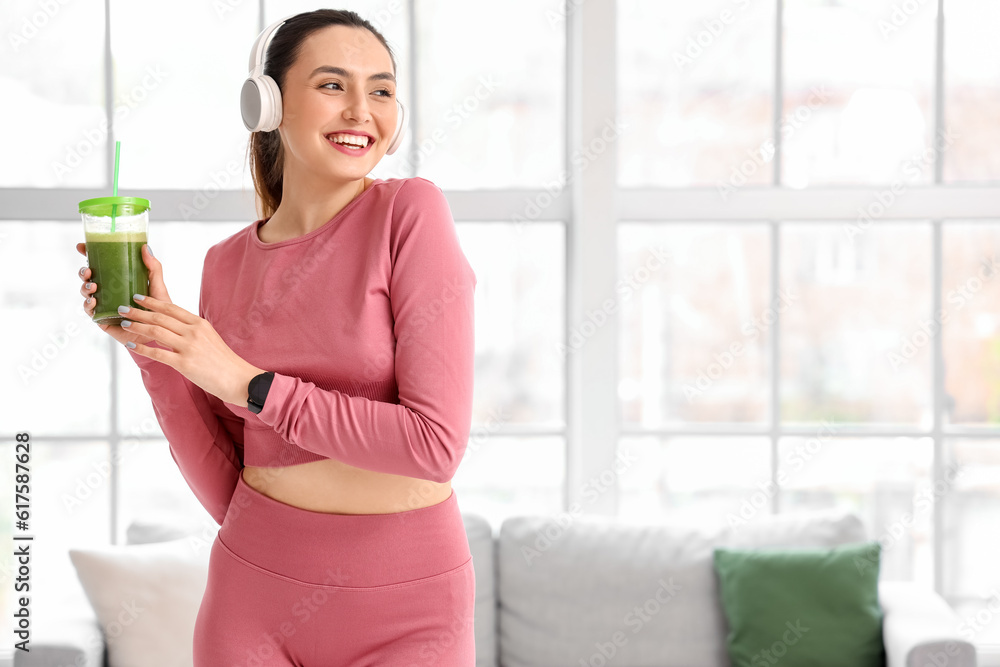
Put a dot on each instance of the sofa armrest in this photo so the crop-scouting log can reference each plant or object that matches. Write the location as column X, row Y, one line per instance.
column 71, row 641
column 919, row 628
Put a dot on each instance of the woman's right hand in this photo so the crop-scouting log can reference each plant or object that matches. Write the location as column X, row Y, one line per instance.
column 157, row 290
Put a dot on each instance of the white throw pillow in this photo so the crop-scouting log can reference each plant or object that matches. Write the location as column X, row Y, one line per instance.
column 146, row 598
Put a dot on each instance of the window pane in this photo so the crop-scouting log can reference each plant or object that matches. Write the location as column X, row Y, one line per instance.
column 179, row 68
column 969, row 299
column 696, row 92
column 852, row 344
column 971, row 581
column 680, row 479
column 70, row 507
column 57, row 359
column 53, row 83
column 886, row 482
column 485, row 120
column 494, row 481
column 161, row 497
column 972, row 90
column 868, row 84
column 520, row 323
column 181, row 248
column 392, row 20
column 692, row 345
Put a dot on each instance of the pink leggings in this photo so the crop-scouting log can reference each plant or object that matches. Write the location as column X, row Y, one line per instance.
column 289, row 586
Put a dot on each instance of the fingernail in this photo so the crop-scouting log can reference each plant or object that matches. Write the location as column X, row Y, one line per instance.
column 150, row 251
column 83, row 270
column 138, row 297
column 130, row 344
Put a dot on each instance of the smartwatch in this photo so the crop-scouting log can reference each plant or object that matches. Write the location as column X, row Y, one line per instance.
column 257, row 391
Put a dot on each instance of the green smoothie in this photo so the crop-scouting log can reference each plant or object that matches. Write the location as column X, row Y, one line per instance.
column 117, row 270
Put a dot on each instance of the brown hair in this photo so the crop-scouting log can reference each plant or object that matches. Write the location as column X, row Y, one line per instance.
column 265, row 149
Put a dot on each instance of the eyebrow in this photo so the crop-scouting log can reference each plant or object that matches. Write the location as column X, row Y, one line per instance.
column 340, row 71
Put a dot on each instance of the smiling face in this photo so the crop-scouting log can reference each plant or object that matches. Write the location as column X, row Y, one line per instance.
column 341, row 82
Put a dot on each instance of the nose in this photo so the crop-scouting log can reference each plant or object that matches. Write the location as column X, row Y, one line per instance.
column 356, row 108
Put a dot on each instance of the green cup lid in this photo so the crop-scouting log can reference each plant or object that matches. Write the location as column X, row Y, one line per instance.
column 101, row 206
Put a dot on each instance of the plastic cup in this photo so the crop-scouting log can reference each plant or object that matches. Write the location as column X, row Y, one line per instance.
column 115, row 259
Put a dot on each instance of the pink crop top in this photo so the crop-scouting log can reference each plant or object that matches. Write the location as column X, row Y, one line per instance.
column 367, row 323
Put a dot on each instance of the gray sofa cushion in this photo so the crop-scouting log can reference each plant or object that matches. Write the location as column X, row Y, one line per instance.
column 481, row 544
column 591, row 588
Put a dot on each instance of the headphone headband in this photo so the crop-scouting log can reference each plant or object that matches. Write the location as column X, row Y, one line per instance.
column 260, row 45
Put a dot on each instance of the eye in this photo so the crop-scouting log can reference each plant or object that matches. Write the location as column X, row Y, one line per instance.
column 384, row 91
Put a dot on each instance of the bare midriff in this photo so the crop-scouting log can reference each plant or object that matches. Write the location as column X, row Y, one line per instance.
column 335, row 487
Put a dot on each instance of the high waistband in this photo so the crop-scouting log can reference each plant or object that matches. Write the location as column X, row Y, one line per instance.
column 344, row 550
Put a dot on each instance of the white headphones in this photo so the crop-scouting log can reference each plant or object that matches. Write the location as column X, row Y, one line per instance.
column 260, row 99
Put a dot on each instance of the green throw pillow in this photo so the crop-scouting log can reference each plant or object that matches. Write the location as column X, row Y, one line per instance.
column 795, row 607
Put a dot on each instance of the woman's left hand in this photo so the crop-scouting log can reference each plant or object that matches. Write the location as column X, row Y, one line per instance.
column 197, row 351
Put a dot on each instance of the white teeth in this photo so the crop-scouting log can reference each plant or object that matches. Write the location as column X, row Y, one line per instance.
column 352, row 139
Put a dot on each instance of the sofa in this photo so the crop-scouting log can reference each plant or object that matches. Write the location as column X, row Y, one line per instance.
column 573, row 591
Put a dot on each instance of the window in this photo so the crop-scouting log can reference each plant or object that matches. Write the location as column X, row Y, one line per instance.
column 822, row 178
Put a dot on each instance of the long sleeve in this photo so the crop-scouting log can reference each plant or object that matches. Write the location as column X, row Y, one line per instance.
column 205, row 439
column 431, row 291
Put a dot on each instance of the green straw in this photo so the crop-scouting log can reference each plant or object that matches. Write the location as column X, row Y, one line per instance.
column 114, row 193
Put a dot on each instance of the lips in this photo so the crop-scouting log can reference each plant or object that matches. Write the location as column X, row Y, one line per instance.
column 351, row 149
column 369, row 137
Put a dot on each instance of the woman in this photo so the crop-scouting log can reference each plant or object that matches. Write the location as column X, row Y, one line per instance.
column 349, row 304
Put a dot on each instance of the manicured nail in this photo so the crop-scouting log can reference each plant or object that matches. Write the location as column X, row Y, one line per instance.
column 126, row 324
column 123, row 310
column 150, row 251
column 130, row 344
column 138, row 297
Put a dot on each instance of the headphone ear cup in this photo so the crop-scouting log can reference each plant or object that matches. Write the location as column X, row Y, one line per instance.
column 270, row 108
column 250, row 104
column 260, row 104
column 397, row 137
